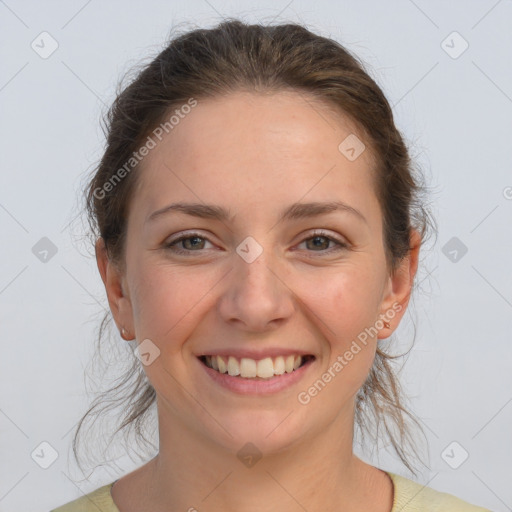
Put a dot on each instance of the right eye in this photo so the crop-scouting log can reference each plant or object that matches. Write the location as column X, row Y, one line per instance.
column 195, row 243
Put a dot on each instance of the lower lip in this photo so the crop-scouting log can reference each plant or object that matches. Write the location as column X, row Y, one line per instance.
column 256, row 386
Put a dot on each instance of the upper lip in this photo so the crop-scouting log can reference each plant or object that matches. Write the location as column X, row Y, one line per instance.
column 239, row 353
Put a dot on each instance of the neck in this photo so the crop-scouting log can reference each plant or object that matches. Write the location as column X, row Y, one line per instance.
column 317, row 472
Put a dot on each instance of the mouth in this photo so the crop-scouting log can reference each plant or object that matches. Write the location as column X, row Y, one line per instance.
column 262, row 369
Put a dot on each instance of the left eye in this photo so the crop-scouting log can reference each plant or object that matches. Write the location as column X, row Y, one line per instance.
column 195, row 241
column 320, row 240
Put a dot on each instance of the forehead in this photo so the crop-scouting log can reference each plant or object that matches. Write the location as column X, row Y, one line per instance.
column 267, row 147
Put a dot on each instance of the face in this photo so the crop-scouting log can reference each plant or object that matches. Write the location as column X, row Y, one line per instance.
column 257, row 283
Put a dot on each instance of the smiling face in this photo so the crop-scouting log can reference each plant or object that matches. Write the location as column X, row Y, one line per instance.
column 287, row 289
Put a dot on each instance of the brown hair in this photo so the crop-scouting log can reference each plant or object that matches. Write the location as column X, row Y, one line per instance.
column 234, row 56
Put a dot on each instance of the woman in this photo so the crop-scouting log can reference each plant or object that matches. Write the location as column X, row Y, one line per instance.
column 259, row 235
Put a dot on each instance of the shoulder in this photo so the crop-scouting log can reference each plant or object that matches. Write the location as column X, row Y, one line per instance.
column 411, row 496
column 99, row 500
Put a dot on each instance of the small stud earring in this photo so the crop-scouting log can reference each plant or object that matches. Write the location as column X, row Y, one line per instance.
column 387, row 325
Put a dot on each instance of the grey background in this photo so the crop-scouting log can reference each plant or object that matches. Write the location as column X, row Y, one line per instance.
column 456, row 112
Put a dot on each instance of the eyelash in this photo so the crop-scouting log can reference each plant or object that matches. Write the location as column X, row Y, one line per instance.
column 317, row 233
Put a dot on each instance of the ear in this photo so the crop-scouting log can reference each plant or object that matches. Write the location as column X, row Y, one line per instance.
column 399, row 287
column 115, row 286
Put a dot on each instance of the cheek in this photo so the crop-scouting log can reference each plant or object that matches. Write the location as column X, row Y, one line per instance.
column 345, row 300
column 346, row 305
column 167, row 301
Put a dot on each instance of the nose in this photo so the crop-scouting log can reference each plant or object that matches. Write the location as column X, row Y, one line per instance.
column 256, row 296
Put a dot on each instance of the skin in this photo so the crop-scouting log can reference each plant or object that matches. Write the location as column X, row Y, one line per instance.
column 255, row 155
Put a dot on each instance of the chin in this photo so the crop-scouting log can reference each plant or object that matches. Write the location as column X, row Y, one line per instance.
column 265, row 433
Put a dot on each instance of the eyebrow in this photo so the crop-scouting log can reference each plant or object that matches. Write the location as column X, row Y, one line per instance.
column 292, row 212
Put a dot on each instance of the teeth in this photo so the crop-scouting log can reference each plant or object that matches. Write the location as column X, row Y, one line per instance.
column 233, row 368
column 265, row 368
column 249, row 368
column 221, row 364
column 279, row 365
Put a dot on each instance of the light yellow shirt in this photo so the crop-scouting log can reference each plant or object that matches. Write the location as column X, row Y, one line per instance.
column 409, row 496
